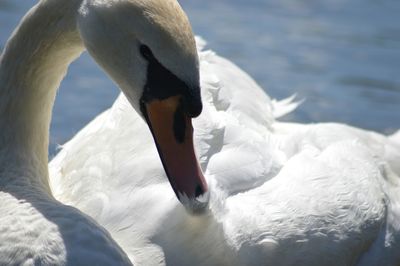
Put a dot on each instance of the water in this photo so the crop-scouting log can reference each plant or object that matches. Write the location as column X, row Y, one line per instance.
column 342, row 57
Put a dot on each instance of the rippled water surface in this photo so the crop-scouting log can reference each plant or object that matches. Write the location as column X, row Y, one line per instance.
column 342, row 57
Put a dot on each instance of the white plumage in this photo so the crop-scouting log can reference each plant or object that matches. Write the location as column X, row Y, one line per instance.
column 281, row 193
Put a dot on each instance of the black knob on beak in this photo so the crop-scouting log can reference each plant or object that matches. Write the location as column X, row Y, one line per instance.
column 192, row 103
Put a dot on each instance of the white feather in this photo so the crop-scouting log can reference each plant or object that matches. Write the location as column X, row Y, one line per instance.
column 281, row 193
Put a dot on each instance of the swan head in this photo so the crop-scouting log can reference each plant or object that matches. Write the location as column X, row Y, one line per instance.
column 147, row 47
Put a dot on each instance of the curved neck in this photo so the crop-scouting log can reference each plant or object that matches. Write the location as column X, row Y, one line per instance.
column 32, row 65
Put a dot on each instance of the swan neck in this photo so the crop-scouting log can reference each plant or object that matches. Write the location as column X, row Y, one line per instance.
column 32, row 65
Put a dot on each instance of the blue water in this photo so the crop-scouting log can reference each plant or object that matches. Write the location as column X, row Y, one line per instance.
column 342, row 57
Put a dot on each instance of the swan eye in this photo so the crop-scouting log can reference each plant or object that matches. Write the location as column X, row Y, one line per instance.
column 145, row 51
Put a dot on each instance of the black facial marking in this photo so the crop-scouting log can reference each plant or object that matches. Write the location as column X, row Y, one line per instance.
column 179, row 124
column 162, row 84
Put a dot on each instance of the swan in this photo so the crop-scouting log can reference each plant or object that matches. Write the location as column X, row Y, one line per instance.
column 280, row 193
column 148, row 49
column 274, row 193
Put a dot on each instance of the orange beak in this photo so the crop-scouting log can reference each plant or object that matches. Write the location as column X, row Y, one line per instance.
column 173, row 134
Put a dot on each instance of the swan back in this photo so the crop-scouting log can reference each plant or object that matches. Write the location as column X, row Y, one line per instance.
column 278, row 191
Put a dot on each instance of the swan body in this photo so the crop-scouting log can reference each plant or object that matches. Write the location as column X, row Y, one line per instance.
column 281, row 193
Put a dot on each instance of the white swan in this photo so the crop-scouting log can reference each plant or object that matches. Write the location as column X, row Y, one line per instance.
column 148, row 48
column 281, row 193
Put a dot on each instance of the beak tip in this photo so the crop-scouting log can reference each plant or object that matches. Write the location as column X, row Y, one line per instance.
column 195, row 206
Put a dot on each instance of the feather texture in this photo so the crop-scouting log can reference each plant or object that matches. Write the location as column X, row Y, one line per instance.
column 281, row 193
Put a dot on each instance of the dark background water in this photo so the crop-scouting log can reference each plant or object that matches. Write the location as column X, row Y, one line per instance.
column 342, row 57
